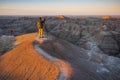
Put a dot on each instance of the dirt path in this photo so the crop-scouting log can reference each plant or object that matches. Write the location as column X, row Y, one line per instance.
column 65, row 69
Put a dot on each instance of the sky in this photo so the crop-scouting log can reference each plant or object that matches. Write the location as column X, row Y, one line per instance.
column 59, row 7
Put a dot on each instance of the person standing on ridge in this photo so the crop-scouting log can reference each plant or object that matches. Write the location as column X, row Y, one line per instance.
column 40, row 25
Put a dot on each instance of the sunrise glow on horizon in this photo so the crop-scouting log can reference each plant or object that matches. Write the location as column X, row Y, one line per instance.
column 59, row 7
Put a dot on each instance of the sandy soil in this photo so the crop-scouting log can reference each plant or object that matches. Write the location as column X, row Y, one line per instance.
column 24, row 63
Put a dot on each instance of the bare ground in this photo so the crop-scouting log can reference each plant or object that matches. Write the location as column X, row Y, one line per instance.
column 24, row 63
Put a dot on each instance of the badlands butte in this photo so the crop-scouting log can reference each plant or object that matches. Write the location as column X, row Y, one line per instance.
column 76, row 48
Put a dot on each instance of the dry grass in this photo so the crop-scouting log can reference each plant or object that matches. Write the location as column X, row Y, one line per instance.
column 24, row 63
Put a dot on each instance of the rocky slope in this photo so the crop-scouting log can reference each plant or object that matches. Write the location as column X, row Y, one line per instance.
column 86, row 64
column 6, row 43
column 104, row 33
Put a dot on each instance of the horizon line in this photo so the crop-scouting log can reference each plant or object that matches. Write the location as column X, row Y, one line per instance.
column 63, row 15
